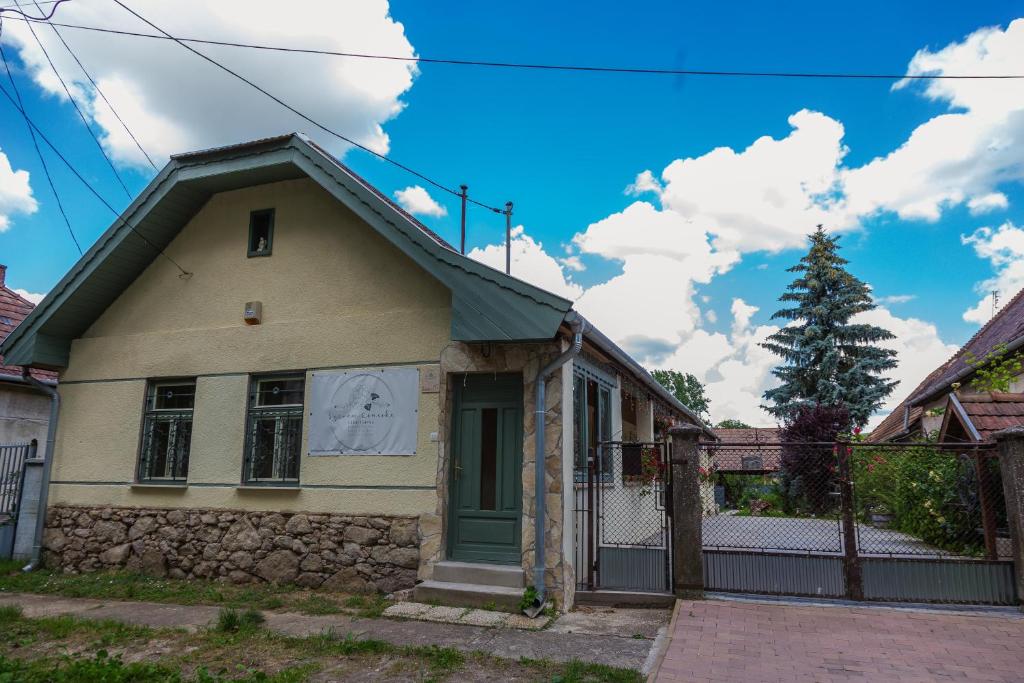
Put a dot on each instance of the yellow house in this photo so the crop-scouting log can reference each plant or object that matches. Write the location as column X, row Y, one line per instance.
column 270, row 372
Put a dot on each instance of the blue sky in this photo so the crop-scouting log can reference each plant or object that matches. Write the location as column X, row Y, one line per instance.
column 564, row 146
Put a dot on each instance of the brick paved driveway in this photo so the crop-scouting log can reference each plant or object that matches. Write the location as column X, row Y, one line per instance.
column 719, row 640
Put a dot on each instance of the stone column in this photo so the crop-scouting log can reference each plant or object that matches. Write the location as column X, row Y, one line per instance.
column 687, row 542
column 1011, row 464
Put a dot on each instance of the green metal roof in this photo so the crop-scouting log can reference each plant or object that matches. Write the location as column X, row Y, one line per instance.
column 487, row 305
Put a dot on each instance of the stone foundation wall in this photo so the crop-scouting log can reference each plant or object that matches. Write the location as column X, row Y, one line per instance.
column 345, row 553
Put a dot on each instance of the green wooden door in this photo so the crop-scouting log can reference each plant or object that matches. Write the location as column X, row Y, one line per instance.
column 486, row 478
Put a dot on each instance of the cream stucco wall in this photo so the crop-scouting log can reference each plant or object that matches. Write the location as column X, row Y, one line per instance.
column 334, row 294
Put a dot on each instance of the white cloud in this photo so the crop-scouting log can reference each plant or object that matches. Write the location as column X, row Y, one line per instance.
column 663, row 256
column 987, row 202
column 34, row 297
column 1004, row 248
column 418, row 202
column 530, row 263
column 573, row 263
column 768, row 196
column 919, row 350
column 174, row 101
column 894, row 299
column 960, row 156
column 15, row 193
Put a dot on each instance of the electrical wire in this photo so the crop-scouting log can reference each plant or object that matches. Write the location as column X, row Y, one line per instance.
column 96, row 87
column 16, row 9
column 81, row 114
column 37, row 131
column 302, row 115
column 35, row 143
column 656, row 71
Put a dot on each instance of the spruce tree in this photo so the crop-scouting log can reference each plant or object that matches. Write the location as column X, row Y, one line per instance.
column 828, row 361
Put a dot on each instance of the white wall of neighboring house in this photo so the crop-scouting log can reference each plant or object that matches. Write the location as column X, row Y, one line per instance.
column 23, row 414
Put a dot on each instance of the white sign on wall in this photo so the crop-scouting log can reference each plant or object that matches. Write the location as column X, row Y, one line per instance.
column 364, row 412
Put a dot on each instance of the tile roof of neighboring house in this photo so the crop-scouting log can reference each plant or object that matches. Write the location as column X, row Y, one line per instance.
column 751, row 435
column 13, row 309
column 1005, row 327
column 989, row 412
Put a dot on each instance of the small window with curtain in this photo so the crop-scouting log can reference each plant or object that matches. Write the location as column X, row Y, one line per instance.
column 261, row 232
column 167, row 431
column 274, row 430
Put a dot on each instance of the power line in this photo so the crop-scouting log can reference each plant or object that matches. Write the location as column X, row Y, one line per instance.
column 16, row 9
column 81, row 114
column 35, row 143
column 96, row 87
column 37, row 131
column 301, row 114
column 655, row 71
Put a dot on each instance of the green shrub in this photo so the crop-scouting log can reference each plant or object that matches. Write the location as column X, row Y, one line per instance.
column 932, row 494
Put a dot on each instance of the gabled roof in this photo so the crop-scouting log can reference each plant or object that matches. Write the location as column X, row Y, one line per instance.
column 1005, row 327
column 487, row 305
column 13, row 309
column 982, row 415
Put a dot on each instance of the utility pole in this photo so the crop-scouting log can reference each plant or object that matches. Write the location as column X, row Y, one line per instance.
column 508, row 238
column 995, row 302
column 463, row 195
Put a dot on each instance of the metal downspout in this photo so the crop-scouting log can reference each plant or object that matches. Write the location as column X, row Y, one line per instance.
column 44, row 486
column 577, row 324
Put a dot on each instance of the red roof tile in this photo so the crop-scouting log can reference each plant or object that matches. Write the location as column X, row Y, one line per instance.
column 14, row 309
column 991, row 412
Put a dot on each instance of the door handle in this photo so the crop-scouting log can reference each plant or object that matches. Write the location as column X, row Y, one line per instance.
column 458, row 469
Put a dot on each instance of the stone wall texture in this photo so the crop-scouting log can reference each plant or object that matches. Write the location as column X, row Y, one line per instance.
column 344, row 553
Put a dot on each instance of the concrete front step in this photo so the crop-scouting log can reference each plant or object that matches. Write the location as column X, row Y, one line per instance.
column 481, row 574
column 467, row 594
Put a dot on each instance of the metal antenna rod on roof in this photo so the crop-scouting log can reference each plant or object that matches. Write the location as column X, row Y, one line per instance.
column 508, row 238
column 463, row 194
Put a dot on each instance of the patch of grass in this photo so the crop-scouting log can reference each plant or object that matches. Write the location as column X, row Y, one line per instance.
column 123, row 585
column 236, row 649
column 315, row 605
column 368, row 606
column 9, row 613
column 582, row 672
column 11, row 566
column 103, row 667
column 231, row 620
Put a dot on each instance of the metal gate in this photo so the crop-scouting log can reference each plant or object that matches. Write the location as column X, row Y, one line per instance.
column 12, row 468
column 623, row 529
column 891, row 522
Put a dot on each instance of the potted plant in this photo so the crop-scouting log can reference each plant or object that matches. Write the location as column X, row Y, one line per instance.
column 881, row 516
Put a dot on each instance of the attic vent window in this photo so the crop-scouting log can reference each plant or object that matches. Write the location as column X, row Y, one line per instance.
column 261, row 232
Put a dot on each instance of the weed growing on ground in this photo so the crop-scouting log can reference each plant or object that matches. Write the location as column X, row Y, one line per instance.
column 232, row 621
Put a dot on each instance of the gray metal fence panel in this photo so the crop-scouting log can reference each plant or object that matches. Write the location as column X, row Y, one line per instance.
column 938, row 581
column 634, row 569
column 776, row 574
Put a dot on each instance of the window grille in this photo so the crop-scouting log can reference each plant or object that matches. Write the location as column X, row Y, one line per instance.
column 274, row 430
column 167, row 431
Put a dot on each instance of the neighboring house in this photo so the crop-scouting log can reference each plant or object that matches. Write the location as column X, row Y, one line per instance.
column 24, row 411
column 946, row 406
column 746, row 449
column 329, row 394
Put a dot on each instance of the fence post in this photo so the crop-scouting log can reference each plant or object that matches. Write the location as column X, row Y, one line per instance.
column 1011, row 464
column 988, row 513
column 851, row 559
column 687, row 541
